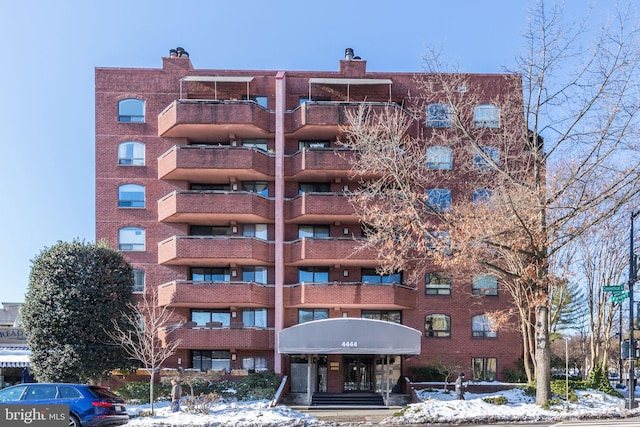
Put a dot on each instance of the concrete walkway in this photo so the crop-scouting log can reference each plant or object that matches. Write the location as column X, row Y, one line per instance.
column 349, row 414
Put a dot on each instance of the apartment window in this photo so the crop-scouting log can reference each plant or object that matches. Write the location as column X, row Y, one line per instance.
column 211, row 360
column 439, row 199
column 311, row 231
column 309, row 314
column 209, row 274
column 486, row 158
column 437, row 283
column 314, row 144
column 254, row 275
column 484, row 368
column 483, row 327
column 131, row 111
column 209, row 187
column 485, row 284
column 439, row 115
column 482, row 195
column 259, row 231
column 260, row 144
column 486, row 116
column 131, row 153
column 394, row 316
column 437, row 325
column 314, row 187
column 254, row 317
column 256, row 363
column 313, row 275
column 131, row 239
column 202, row 317
column 259, row 187
column 138, row 280
column 439, row 157
column 131, row 196
column 209, row 230
column 369, row 275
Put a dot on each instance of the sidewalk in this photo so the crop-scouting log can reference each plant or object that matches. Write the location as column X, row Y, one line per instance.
column 349, row 414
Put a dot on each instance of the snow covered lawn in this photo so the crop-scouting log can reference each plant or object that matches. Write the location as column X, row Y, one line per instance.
column 436, row 407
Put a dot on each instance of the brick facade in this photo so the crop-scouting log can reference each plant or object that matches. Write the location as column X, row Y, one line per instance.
column 194, row 127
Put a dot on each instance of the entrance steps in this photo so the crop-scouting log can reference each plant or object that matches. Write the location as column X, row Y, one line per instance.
column 347, row 399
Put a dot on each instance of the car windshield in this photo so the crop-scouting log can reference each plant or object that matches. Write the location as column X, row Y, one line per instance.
column 104, row 393
column 12, row 393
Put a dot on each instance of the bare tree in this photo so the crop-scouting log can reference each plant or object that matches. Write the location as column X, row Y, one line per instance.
column 568, row 161
column 142, row 341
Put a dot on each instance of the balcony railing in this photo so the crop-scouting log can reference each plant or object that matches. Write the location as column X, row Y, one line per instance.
column 221, row 338
column 322, row 251
column 211, row 120
column 351, row 295
column 329, row 163
column 210, row 206
column 212, row 250
column 316, row 207
column 206, row 163
column 215, row 294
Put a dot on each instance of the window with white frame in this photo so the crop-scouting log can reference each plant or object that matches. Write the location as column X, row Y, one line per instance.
column 131, row 110
column 310, row 144
column 318, row 275
column 131, row 196
column 254, row 363
column 439, row 157
column 439, row 115
column 484, row 284
column 486, row 158
column 260, row 144
column 138, row 280
column 204, row 316
column 258, row 187
column 255, row 275
column 483, row 327
column 309, row 314
column 131, row 153
column 313, row 230
column 439, row 199
column 486, row 116
column 131, row 239
column 215, row 360
column 254, row 317
column 259, row 231
column 370, row 275
column 209, row 274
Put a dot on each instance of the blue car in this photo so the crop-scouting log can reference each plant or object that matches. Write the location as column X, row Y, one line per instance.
column 89, row 406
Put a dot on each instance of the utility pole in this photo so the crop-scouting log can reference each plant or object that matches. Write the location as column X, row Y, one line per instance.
column 631, row 403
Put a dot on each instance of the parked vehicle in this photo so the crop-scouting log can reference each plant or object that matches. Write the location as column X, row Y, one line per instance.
column 89, row 406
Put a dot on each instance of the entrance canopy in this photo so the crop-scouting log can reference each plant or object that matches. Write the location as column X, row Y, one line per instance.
column 14, row 356
column 349, row 335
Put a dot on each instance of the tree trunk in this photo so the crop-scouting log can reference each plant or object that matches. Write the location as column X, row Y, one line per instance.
column 543, row 356
column 151, row 382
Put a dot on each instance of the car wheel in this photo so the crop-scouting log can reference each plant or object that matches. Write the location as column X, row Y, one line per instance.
column 74, row 421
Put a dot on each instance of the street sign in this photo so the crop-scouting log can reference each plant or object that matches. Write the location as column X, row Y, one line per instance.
column 614, row 288
column 620, row 297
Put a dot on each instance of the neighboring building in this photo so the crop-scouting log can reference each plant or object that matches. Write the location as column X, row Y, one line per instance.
column 14, row 350
column 226, row 191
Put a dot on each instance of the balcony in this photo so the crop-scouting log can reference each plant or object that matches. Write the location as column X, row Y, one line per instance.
column 324, row 119
column 334, row 251
column 201, row 207
column 213, row 120
column 320, row 164
column 205, row 163
column 221, row 338
column 351, row 295
column 215, row 294
column 320, row 207
column 208, row 251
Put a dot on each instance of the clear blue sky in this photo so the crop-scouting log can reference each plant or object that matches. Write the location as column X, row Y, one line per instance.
column 53, row 47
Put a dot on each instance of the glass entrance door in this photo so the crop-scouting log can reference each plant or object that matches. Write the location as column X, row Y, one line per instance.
column 358, row 373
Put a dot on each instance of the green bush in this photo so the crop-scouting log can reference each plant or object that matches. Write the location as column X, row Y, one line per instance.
column 599, row 380
column 495, row 400
column 426, row 374
column 138, row 391
column 559, row 390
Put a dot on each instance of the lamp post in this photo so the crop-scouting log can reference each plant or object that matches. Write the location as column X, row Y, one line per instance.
column 632, row 351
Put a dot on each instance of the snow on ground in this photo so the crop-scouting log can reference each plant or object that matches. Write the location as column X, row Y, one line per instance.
column 436, row 407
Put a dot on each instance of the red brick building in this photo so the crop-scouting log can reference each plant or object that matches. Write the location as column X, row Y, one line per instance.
column 226, row 191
